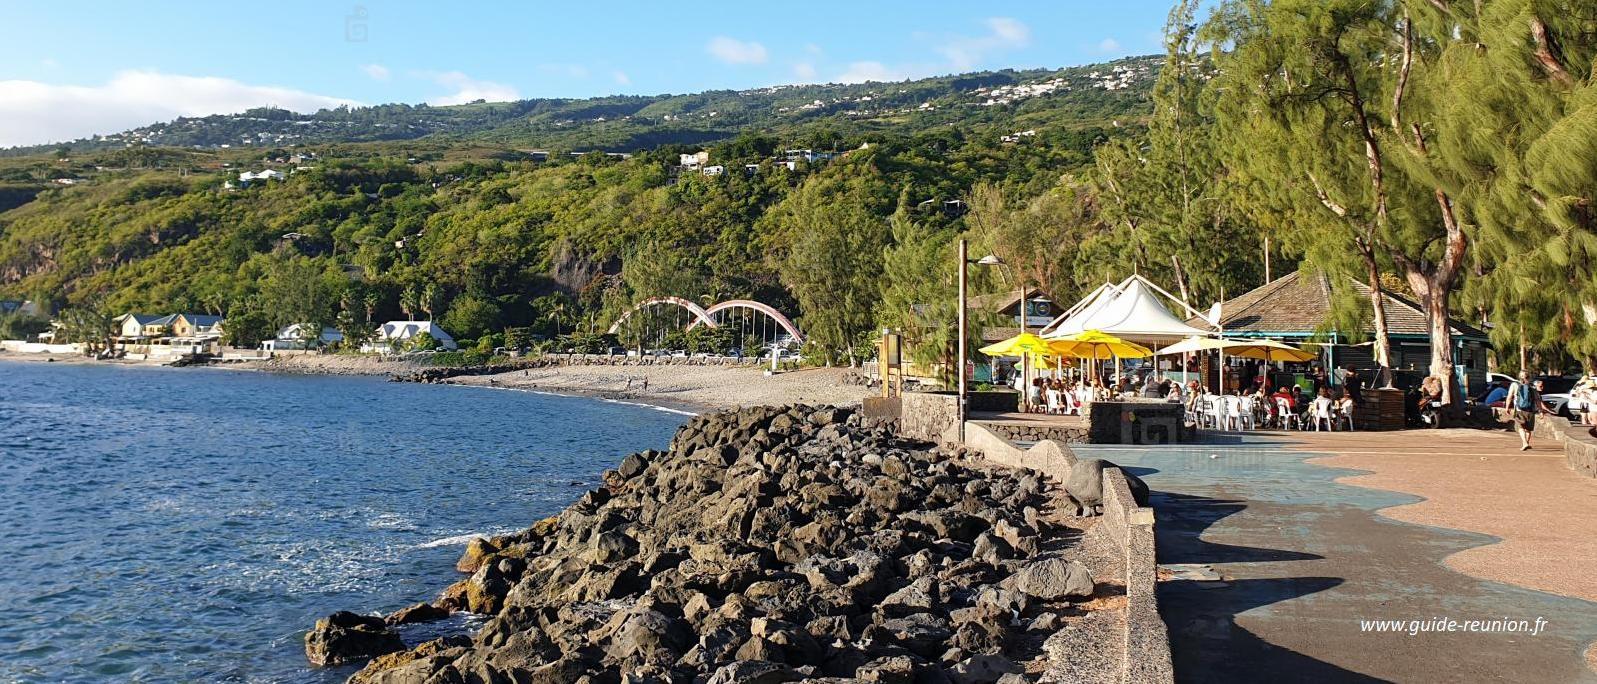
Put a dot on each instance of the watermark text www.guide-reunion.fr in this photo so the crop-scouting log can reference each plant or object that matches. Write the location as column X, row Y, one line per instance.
column 1442, row 624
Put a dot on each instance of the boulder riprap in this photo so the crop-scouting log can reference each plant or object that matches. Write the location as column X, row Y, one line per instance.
column 1084, row 488
column 769, row 544
column 346, row 637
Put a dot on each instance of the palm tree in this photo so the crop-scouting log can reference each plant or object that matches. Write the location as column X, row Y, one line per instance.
column 410, row 302
column 557, row 314
column 429, row 299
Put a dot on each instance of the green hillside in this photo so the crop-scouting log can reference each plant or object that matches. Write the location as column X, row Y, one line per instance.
column 1030, row 98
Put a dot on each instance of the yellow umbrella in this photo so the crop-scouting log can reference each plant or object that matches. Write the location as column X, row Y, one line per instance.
column 1095, row 344
column 1024, row 343
column 1045, row 361
column 1270, row 350
column 1195, row 345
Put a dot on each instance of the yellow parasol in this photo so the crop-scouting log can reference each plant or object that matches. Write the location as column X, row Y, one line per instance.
column 1095, row 344
column 1024, row 343
column 1270, row 350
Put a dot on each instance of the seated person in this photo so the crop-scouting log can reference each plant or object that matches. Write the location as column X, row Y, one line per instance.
column 1496, row 395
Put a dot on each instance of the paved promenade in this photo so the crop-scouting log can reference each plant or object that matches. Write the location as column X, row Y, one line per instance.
column 1280, row 552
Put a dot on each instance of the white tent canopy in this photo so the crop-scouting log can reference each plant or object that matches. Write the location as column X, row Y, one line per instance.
column 1134, row 313
column 1068, row 323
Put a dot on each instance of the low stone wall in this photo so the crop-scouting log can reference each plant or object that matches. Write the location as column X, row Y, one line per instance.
column 1018, row 432
column 1128, row 528
column 928, row 416
column 1131, row 526
column 1580, row 447
column 1134, row 422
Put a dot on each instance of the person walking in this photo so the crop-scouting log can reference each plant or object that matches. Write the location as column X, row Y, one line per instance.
column 1522, row 402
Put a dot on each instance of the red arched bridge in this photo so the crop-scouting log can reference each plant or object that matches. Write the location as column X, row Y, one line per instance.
column 715, row 315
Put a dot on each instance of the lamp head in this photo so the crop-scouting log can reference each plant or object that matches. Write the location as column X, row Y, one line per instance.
column 990, row 260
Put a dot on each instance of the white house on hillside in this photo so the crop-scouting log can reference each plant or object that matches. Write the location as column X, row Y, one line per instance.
column 398, row 333
column 266, row 175
column 293, row 337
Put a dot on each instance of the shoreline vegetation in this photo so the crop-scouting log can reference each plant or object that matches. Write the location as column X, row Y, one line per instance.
column 691, row 389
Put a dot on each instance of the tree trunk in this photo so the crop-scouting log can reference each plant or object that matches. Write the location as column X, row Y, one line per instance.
column 1383, row 339
column 1433, row 298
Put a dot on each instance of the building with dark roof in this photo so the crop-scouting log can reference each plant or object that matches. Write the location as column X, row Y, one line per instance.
column 1298, row 307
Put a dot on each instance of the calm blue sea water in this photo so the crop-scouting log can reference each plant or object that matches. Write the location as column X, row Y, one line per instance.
column 189, row 524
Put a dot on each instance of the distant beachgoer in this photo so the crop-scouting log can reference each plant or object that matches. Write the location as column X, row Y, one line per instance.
column 1523, row 398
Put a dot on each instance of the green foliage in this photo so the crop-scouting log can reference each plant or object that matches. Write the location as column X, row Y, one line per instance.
column 16, row 326
column 422, row 341
column 247, row 325
column 471, row 315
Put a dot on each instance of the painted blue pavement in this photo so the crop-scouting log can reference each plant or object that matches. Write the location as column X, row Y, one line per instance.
column 1305, row 559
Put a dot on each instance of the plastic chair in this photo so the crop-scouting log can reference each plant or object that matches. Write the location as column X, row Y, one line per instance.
column 1320, row 411
column 1219, row 408
column 1245, row 417
column 1345, row 415
column 1054, row 404
column 1285, row 417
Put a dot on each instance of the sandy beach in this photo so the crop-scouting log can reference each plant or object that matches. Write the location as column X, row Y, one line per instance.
column 694, row 388
column 698, row 387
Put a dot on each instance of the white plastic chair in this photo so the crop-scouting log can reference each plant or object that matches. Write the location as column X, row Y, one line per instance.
column 1055, row 406
column 1320, row 411
column 1346, row 416
column 1219, row 408
column 1285, row 417
column 1245, row 417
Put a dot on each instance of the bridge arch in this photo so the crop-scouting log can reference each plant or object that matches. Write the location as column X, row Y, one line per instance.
column 698, row 312
column 766, row 309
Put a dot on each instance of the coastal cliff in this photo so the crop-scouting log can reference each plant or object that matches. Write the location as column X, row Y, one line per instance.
column 768, row 544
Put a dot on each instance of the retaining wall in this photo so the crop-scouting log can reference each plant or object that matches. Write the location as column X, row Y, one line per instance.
column 21, row 347
column 929, row 416
column 1127, row 527
column 1580, row 447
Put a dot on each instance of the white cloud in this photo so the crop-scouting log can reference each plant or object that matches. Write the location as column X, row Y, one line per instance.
column 1003, row 33
column 377, row 72
column 621, row 77
column 1109, row 45
column 468, row 89
column 804, row 71
column 734, row 51
column 860, row 72
column 32, row 112
column 959, row 53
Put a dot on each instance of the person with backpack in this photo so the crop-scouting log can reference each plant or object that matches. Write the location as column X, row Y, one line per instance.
column 1523, row 399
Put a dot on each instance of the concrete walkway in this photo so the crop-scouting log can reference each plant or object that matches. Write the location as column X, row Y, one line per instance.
column 1303, row 558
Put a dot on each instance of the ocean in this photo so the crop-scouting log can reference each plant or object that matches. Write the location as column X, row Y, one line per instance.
column 165, row 524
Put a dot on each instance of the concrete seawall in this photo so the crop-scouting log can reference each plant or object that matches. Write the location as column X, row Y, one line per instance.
column 1580, row 447
column 1127, row 528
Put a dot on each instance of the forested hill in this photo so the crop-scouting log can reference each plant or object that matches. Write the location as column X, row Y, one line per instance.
column 631, row 123
column 465, row 225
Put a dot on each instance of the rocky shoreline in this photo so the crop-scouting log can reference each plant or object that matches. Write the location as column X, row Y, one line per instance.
column 770, row 544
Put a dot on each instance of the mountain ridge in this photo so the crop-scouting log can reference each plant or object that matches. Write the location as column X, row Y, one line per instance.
column 627, row 123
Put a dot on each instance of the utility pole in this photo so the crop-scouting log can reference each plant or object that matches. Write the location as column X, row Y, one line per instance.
column 961, row 344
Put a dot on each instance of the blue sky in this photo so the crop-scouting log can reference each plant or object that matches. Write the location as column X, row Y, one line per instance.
column 72, row 69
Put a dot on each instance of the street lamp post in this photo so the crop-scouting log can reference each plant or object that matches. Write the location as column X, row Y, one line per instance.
column 964, row 262
column 960, row 361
